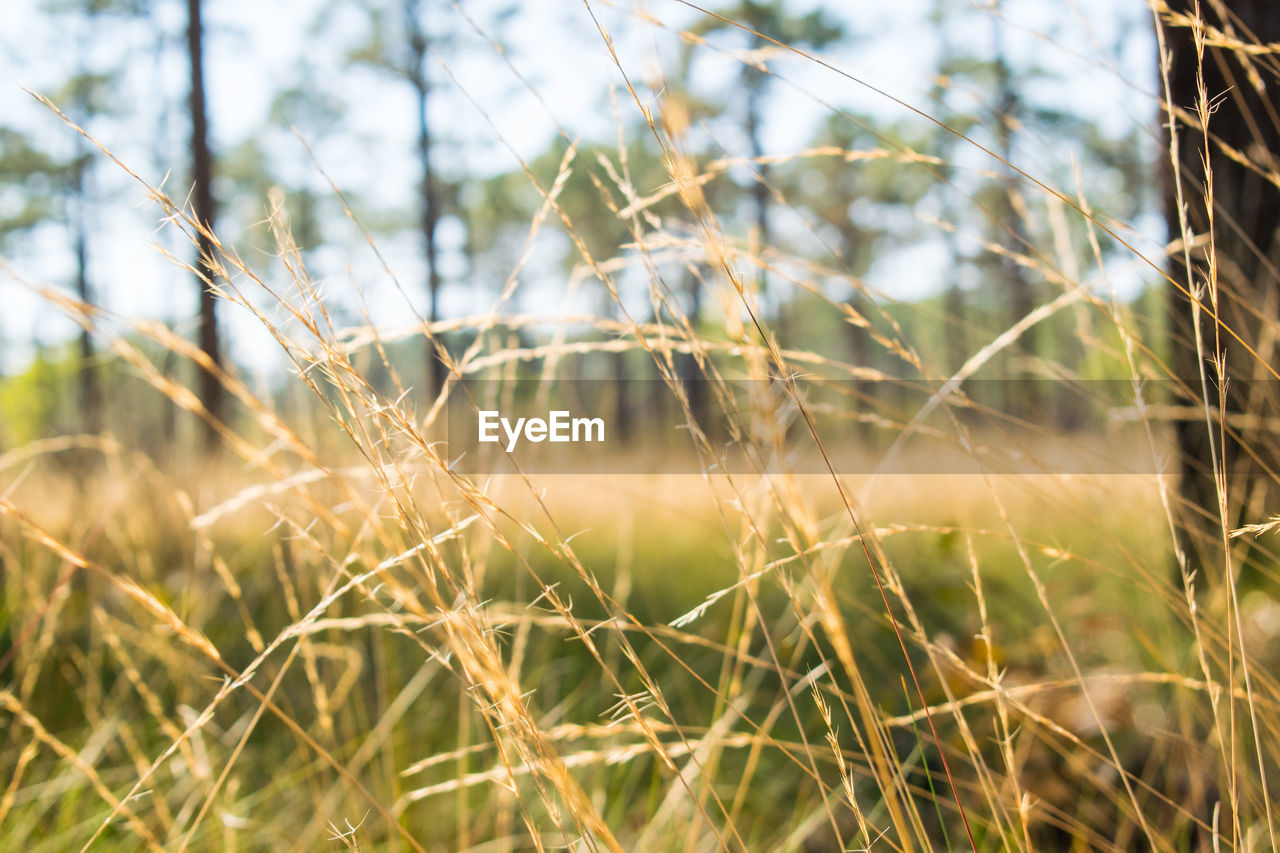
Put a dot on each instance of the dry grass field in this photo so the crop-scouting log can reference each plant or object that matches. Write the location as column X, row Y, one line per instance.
column 326, row 636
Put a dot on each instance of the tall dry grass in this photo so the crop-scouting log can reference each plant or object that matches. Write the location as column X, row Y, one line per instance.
column 313, row 643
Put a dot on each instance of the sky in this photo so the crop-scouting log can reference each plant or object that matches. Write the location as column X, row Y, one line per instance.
column 489, row 119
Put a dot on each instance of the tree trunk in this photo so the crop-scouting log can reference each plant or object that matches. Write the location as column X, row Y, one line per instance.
column 429, row 203
column 753, row 81
column 211, row 391
column 1233, row 263
column 1020, row 397
column 690, row 374
column 89, row 387
column 955, row 340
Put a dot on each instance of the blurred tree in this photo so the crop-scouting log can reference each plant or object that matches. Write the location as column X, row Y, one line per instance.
column 212, row 394
column 34, row 402
column 79, row 203
column 1009, row 221
column 999, row 97
column 315, row 114
column 250, row 176
column 87, row 94
column 954, row 331
column 501, row 208
column 855, row 194
column 757, row 22
column 28, row 175
column 29, row 178
column 1226, row 210
column 400, row 43
column 416, row 67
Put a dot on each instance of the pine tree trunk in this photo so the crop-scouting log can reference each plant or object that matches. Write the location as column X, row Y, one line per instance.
column 1021, row 398
column 1245, row 253
column 753, row 82
column 90, row 392
column 691, row 375
column 211, row 391
column 429, row 202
